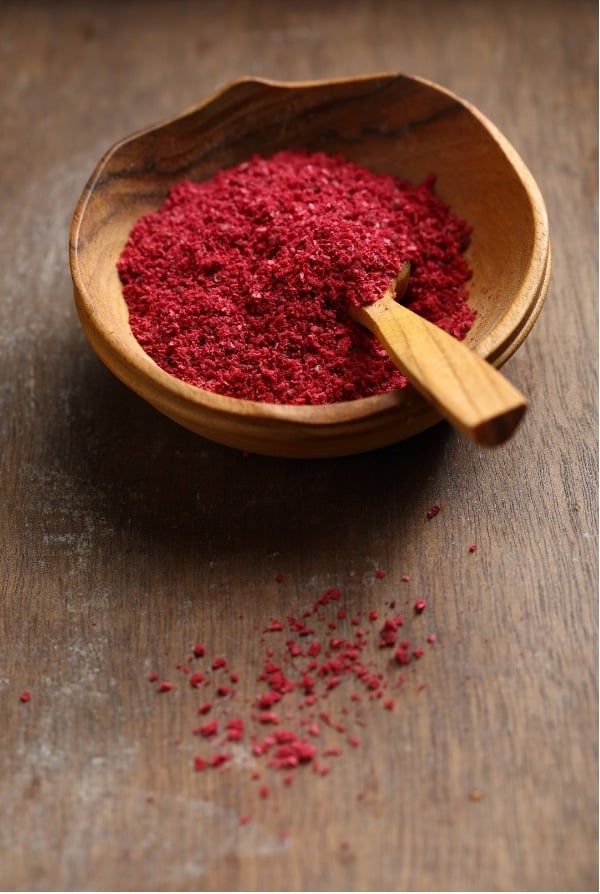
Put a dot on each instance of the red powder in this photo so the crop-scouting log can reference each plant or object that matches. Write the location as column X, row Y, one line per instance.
column 218, row 663
column 420, row 606
column 282, row 723
column 165, row 686
column 235, row 729
column 210, row 728
column 240, row 284
column 25, row 697
column 268, row 717
column 402, row 656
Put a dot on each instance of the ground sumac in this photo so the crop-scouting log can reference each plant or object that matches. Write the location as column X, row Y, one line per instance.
column 240, row 284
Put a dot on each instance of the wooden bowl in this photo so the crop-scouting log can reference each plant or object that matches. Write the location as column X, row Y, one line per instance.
column 389, row 123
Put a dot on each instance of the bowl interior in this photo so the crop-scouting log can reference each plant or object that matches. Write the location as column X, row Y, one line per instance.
column 389, row 123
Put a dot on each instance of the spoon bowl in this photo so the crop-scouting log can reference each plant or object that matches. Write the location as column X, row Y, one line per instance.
column 387, row 123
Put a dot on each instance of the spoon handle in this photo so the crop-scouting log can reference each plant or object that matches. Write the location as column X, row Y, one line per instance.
column 464, row 388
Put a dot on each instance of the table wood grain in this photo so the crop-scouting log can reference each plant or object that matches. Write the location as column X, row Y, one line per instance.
column 125, row 539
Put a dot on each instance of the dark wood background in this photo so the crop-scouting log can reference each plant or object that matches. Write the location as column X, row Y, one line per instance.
column 125, row 538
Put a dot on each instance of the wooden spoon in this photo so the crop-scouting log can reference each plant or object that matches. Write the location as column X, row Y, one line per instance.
column 463, row 387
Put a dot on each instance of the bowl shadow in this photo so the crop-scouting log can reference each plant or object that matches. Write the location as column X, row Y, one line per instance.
column 171, row 489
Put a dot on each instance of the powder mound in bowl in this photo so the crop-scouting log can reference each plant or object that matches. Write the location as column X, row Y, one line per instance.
column 240, row 284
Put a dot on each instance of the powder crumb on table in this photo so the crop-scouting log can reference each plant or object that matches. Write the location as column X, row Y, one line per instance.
column 292, row 723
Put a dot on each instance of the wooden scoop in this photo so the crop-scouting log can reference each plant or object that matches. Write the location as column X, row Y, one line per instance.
column 464, row 388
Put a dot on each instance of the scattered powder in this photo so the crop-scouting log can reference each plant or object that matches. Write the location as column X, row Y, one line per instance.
column 287, row 725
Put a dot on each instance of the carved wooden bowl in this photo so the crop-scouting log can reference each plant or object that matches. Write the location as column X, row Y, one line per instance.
column 388, row 123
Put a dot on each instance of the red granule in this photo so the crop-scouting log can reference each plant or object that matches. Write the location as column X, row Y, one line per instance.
column 389, row 631
column 218, row 663
column 210, row 728
column 380, row 574
column 420, row 606
column 266, row 699
column 473, row 548
column 264, row 791
column 268, row 717
column 405, row 578
column 199, row 650
column 240, row 284
column 153, row 677
column 25, row 696
column 165, row 686
column 332, row 751
column 196, row 680
column 433, row 511
column 205, row 708
column 223, row 690
column 235, row 729
column 431, row 638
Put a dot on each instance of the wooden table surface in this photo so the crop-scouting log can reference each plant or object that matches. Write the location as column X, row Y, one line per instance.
column 126, row 539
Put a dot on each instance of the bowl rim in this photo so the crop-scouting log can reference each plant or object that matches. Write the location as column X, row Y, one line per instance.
column 122, row 354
